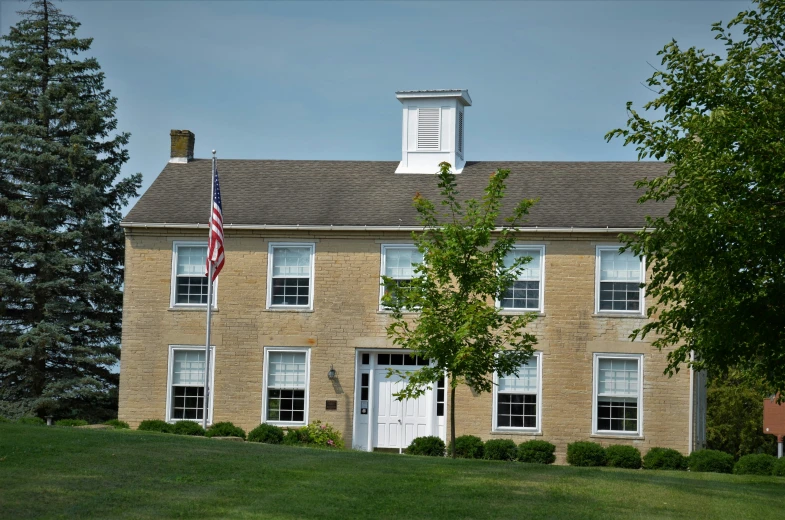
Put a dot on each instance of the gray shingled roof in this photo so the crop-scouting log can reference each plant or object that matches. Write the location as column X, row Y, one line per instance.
column 357, row 193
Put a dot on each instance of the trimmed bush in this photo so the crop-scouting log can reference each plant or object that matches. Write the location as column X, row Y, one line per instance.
column 155, row 425
column 35, row 421
column 500, row 449
column 430, row 446
column 225, row 429
column 266, row 433
column 118, row 425
column 710, row 461
column 585, row 454
column 755, row 464
column 3, row 419
column 664, row 458
column 297, row 437
column 778, row 468
column 467, row 447
column 188, row 428
column 71, row 422
column 628, row 457
column 324, row 435
column 536, row 452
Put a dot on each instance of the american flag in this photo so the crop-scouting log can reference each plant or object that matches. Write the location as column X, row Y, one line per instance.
column 215, row 245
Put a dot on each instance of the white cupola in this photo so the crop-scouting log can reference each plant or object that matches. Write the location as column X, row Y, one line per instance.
column 432, row 129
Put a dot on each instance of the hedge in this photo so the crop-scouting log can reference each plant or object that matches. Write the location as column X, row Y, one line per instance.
column 71, row 422
column 664, row 458
column 500, row 449
column 536, row 452
column 225, row 429
column 430, row 446
column 155, row 425
column 628, row 457
column 778, row 469
column 188, row 428
column 755, row 464
column 710, row 461
column 467, row 447
column 585, row 454
column 118, row 425
column 36, row 421
column 266, row 433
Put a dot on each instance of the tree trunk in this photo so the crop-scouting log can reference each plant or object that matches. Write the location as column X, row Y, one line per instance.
column 452, row 421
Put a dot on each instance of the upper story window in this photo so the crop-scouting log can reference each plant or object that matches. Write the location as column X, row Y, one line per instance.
column 516, row 399
column 618, row 386
column 619, row 277
column 189, row 279
column 290, row 275
column 398, row 263
column 526, row 292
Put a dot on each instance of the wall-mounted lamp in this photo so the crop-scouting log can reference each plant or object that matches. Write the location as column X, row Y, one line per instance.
column 331, row 373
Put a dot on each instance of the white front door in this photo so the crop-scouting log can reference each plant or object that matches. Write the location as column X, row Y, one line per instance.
column 398, row 422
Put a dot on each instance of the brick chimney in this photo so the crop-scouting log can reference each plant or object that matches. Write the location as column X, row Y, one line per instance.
column 182, row 146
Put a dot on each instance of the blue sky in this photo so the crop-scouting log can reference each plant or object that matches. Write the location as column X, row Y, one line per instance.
column 305, row 80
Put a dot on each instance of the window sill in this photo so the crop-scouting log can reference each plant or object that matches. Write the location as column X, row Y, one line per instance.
column 405, row 313
column 284, row 309
column 517, row 432
column 510, row 312
column 633, row 437
column 619, row 315
column 191, row 309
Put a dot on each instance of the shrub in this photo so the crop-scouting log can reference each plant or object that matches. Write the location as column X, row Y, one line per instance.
column 430, row 446
column 500, row 449
column 664, row 458
column 225, row 429
column 3, row 419
column 266, row 433
column 537, row 452
column 36, row 421
column 628, row 457
column 467, row 447
column 710, row 461
column 778, row 468
column 297, row 436
column 71, row 422
column 755, row 464
column 325, row 435
column 118, row 425
column 585, row 454
column 188, row 428
column 155, row 425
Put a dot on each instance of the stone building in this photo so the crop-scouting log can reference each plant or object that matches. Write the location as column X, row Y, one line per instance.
column 306, row 243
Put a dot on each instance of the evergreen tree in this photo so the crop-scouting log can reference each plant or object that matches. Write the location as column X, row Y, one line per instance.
column 61, row 245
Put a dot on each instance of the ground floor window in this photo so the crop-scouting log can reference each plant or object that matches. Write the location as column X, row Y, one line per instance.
column 186, row 384
column 286, row 389
column 618, row 383
column 517, row 398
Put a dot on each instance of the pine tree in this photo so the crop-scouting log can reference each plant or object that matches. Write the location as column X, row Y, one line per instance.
column 61, row 245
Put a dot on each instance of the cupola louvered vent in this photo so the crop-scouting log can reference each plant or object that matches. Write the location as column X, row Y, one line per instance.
column 428, row 128
column 460, row 133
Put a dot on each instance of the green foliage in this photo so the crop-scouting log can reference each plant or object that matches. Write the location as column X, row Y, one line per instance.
column 458, row 326
column 3, row 419
column 431, row 446
column 585, row 454
column 664, row 458
column 297, row 437
column 118, row 425
column 734, row 416
column 755, row 464
column 188, row 428
column 500, row 449
column 155, row 425
column 324, row 435
column 628, row 457
column 716, row 259
column 36, row 421
column 71, row 422
column 61, row 201
column 225, row 429
column 537, row 452
column 467, row 447
column 710, row 461
column 778, row 468
column 266, row 433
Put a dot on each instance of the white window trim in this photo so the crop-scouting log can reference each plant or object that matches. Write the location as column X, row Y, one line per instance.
column 538, row 429
column 270, row 252
column 594, row 396
column 170, row 369
column 541, row 308
column 598, row 274
column 383, row 266
column 173, row 282
column 267, row 351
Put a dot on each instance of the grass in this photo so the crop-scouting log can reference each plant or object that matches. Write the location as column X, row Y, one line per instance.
column 73, row 473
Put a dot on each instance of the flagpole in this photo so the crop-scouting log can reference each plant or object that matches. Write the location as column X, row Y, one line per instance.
column 209, row 306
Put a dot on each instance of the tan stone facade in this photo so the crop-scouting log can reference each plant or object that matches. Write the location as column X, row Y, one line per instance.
column 346, row 317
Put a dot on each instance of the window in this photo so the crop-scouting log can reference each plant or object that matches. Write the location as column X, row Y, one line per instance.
column 290, row 278
column 619, row 277
column 618, row 382
column 185, row 400
column 286, row 388
column 526, row 292
column 189, row 275
column 517, row 398
column 398, row 263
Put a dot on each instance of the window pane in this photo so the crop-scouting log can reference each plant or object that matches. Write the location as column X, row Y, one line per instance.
column 617, row 377
column 529, row 270
column 617, row 414
column 526, row 381
column 188, row 367
column 620, row 296
column 286, row 405
column 292, row 262
column 286, row 370
column 615, row 267
column 187, row 402
column 522, row 295
column 191, row 289
column 516, row 411
column 191, row 260
column 399, row 262
column 290, row 291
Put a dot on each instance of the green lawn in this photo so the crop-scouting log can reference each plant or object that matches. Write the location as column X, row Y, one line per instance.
column 75, row 473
